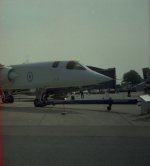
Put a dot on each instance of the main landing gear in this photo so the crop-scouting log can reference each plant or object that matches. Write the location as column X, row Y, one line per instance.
column 41, row 98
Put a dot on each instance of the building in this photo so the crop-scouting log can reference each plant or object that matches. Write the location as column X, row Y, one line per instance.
column 146, row 73
column 110, row 72
column 145, row 85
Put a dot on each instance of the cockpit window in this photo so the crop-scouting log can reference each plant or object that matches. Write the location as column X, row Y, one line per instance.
column 55, row 64
column 74, row 65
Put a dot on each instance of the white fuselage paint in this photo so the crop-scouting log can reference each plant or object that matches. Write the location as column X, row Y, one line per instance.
column 43, row 75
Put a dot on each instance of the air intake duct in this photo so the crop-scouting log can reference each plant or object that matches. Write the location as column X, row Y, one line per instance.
column 7, row 75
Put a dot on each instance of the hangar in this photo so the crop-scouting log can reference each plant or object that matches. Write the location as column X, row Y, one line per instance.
column 111, row 72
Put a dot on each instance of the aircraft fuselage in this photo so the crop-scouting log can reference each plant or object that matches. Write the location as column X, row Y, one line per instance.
column 50, row 75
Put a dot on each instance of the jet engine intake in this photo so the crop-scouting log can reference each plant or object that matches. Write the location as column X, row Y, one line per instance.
column 7, row 75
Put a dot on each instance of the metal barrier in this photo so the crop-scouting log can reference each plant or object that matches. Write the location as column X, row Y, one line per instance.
column 109, row 102
column 145, row 104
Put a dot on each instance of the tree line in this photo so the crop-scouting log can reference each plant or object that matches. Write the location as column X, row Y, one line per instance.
column 133, row 77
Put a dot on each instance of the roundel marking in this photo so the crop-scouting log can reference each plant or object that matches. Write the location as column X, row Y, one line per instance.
column 30, row 76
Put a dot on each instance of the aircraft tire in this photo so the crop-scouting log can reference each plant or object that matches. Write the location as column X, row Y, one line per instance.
column 36, row 103
column 39, row 104
column 10, row 99
column 4, row 100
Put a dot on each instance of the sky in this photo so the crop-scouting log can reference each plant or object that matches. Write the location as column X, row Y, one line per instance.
column 100, row 33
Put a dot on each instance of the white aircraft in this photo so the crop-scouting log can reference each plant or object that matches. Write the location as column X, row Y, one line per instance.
column 44, row 76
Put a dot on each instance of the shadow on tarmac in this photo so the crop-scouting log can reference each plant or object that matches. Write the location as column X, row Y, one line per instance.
column 56, row 110
column 49, row 110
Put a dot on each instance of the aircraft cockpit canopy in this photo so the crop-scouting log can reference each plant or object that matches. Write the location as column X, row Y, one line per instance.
column 74, row 65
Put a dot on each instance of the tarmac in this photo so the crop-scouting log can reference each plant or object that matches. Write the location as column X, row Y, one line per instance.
column 75, row 135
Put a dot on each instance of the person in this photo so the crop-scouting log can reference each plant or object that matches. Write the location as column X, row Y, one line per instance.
column 129, row 93
column 82, row 94
column 129, row 87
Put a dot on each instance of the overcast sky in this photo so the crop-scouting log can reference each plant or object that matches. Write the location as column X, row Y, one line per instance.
column 102, row 33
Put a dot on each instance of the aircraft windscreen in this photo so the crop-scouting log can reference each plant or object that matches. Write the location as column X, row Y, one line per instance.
column 74, row 65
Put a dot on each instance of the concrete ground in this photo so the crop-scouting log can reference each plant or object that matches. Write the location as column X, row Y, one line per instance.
column 87, row 135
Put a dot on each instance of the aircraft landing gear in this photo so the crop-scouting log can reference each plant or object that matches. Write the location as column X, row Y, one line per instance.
column 7, row 98
column 41, row 98
column 38, row 103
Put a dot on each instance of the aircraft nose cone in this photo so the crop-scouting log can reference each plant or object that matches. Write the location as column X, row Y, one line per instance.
column 106, row 78
column 100, row 78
